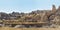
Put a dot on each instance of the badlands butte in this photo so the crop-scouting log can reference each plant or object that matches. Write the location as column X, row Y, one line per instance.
column 34, row 19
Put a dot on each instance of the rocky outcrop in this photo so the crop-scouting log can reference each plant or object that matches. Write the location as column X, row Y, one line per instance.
column 52, row 17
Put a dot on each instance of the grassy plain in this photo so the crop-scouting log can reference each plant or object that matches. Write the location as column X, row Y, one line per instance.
column 9, row 28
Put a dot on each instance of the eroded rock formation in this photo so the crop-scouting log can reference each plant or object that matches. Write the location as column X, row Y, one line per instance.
column 52, row 17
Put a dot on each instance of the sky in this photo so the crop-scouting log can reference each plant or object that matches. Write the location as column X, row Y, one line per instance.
column 26, row 6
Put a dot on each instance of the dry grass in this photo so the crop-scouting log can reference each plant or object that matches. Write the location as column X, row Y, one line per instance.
column 7, row 28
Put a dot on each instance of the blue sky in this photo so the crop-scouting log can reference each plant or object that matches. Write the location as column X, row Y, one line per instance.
column 9, row 6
